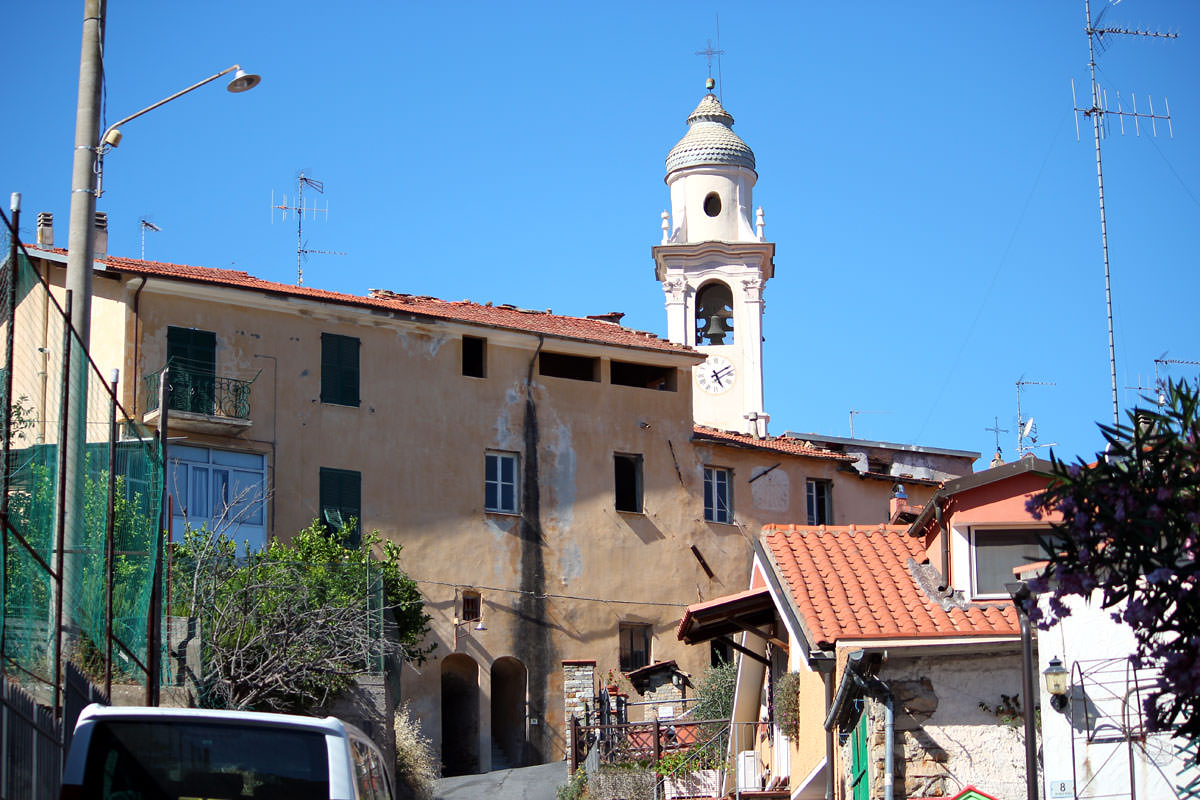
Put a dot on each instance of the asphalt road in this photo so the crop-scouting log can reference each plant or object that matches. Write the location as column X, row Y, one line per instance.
column 526, row 783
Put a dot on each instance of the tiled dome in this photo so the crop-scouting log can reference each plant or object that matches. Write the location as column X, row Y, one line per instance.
column 710, row 140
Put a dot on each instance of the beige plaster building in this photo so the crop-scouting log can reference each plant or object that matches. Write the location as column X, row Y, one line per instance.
column 555, row 499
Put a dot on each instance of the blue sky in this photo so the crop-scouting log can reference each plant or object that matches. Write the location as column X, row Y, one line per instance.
column 935, row 217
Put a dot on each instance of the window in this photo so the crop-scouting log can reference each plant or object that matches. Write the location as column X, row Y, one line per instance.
column 220, row 489
column 341, row 501
column 714, row 315
column 472, row 606
column 820, row 502
column 474, row 357
column 644, row 376
column 339, row 369
column 500, row 483
column 718, row 495
column 627, row 474
column 576, row 368
column 192, row 357
column 994, row 553
column 635, row 646
column 720, row 651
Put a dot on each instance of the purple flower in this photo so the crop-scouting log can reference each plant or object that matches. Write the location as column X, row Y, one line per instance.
column 1038, row 585
column 1163, row 494
column 1160, row 575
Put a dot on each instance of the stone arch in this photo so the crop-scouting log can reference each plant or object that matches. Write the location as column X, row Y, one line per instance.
column 509, row 684
column 460, row 715
column 714, row 314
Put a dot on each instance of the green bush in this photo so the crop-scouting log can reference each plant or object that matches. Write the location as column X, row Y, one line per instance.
column 575, row 788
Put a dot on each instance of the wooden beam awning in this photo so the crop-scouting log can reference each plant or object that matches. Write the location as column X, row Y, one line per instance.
column 726, row 615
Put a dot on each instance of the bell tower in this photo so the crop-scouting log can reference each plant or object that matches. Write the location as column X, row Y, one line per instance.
column 713, row 263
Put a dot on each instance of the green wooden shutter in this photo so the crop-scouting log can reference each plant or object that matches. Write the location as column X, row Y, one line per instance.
column 339, row 369
column 860, row 778
column 341, row 499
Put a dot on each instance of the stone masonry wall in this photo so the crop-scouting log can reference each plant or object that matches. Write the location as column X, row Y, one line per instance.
column 579, row 687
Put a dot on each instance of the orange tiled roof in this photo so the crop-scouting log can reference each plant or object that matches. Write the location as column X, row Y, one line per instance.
column 778, row 444
column 857, row 583
column 502, row 316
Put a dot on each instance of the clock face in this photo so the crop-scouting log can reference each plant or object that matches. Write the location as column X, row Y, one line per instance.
column 716, row 375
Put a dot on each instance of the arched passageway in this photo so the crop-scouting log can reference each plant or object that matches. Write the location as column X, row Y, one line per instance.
column 509, row 679
column 460, row 715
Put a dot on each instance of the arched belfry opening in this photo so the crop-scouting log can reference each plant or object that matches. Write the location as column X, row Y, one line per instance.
column 460, row 715
column 714, row 314
column 509, row 682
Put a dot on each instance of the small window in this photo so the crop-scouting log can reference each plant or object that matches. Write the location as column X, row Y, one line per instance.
column 500, row 483
column 635, row 646
column 718, row 495
column 472, row 606
column 820, row 502
column 712, row 204
column 646, row 376
column 720, row 651
column 627, row 473
column 341, row 501
column 474, row 357
column 339, row 369
column 576, row 368
column 714, row 315
column 994, row 554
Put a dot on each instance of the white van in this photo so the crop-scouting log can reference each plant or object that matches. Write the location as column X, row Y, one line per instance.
column 133, row 753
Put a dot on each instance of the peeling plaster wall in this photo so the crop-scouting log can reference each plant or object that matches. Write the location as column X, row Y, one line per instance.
column 944, row 741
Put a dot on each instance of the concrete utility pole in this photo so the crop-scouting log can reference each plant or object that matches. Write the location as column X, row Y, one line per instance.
column 80, row 255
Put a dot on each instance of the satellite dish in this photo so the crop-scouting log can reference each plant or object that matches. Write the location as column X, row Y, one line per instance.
column 1025, row 431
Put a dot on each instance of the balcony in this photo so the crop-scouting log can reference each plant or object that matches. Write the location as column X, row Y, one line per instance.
column 200, row 401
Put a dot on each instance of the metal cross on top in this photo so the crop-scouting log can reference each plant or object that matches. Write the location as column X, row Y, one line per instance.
column 708, row 52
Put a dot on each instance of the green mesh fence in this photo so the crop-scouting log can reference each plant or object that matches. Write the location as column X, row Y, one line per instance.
column 123, row 454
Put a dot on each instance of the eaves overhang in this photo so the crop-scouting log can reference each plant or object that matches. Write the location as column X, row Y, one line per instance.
column 1023, row 466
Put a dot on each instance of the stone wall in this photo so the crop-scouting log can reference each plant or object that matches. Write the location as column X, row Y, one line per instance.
column 579, row 688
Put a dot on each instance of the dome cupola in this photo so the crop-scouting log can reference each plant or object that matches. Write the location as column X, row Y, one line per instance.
column 710, row 140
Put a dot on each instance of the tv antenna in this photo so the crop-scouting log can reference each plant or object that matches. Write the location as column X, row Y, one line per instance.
column 1098, row 110
column 708, row 52
column 147, row 224
column 854, row 413
column 300, row 210
column 1027, row 428
column 1160, row 383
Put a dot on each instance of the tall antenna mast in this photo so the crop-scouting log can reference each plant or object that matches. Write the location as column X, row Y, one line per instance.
column 300, row 209
column 145, row 223
column 855, row 412
column 1098, row 109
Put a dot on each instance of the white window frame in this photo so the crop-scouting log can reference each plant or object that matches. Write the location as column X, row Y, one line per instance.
column 241, row 487
column 714, row 478
column 497, row 482
column 972, row 561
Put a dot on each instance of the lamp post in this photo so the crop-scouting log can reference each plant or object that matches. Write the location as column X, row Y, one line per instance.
column 88, row 160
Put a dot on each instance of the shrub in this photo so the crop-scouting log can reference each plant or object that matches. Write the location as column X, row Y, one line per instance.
column 416, row 764
column 787, row 703
column 575, row 788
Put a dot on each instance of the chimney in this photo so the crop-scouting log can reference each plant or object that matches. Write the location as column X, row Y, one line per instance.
column 100, row 237
column 899, row 502
column 45, row 230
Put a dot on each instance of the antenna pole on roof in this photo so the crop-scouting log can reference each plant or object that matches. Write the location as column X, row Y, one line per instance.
column 300, row 209
column 147, row 224
column 1026, row 429
column 1097, row 110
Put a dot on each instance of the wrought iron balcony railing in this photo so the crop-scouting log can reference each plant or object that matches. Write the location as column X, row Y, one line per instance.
column 200, row 392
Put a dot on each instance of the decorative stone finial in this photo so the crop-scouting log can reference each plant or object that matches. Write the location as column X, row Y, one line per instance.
column 709, row 84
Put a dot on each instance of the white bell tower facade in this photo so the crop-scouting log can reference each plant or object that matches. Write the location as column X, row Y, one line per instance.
column 713, row 264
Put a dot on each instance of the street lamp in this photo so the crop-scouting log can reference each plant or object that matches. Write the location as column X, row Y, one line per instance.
column 1056, row 677
column 242, row 82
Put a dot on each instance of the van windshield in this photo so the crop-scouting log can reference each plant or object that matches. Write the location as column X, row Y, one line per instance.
column 182, row 760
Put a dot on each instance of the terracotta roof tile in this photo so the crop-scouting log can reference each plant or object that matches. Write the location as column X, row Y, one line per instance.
column 856, row 583
column 777, row 444
column 500, row 316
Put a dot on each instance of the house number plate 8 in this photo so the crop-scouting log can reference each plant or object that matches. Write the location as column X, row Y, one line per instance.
column 1062, row 788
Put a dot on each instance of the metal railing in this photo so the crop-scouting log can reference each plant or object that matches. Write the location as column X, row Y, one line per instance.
column 200, row 392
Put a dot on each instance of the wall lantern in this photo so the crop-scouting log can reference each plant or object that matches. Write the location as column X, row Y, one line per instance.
column 1056, row 684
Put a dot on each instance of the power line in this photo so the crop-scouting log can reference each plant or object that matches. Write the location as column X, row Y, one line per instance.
column 544, row 595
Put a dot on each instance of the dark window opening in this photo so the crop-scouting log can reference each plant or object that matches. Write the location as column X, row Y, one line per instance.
column 339, row 369
column 714, row 315
column 712, row 204
column 341, row 502
column 720, row 651
column 627, row 473
column 645, row 376
column 576, row 368
column 472, row 606
column 474, row 357
column 820, row 502
column 635, row 646
column 192, row 358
